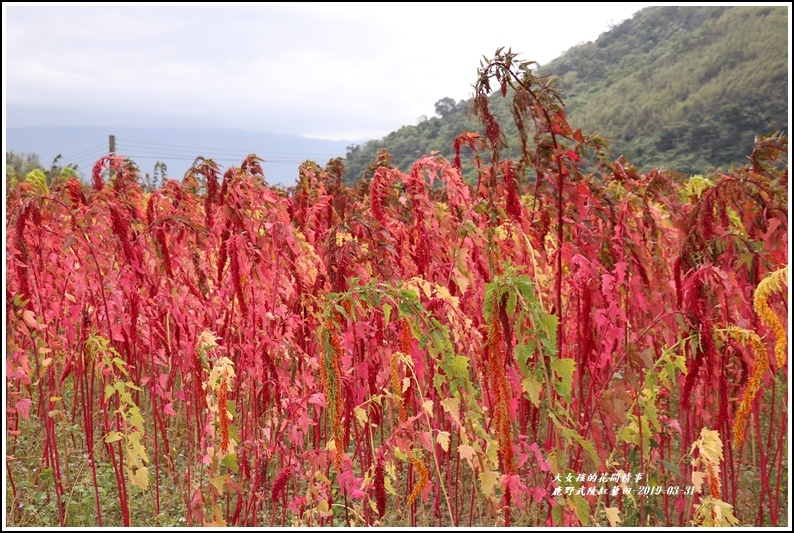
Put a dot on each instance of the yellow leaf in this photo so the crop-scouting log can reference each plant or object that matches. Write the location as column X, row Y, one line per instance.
column 135, row 419
column 323, row 509
column 697, row 481
column 217, row 517
column 452, row 406
column 113, row 436
column 467, row 452
column 488, row 481
column 443, row 440
column 428, row 407
column 724, row 512
column 387, row 484
column 492, row 453
column 532, row 387
column 406, row 383
column 136, row 448
column 361, row 416
column 139, row 477
column 717, row 515
column 712, row 446
column 444, row 293
column 613, row 515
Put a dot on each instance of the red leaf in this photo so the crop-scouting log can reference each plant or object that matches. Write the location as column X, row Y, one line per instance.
column 23, row 407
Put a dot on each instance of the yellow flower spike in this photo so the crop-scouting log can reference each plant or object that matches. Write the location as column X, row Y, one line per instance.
column 772, row 283
column 419, row 486
column 760, row 366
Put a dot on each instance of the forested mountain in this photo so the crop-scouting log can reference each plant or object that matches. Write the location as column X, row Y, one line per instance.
column 684, row 88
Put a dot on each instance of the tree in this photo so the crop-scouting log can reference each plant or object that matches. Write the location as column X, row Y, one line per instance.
column 22, row 163
column 19, row 165
column 445, row 106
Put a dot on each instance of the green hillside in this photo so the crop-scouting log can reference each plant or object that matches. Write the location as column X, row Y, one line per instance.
column 684, row 88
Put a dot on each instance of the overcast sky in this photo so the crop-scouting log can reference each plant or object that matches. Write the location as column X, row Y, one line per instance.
column 329, row 71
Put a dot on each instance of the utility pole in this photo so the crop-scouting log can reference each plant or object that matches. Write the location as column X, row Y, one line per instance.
column 112, row 151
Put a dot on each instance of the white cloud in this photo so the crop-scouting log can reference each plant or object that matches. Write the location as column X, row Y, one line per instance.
column 336, row 71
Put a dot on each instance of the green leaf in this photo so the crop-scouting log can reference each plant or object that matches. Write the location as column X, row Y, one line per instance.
column 399, row 454
column 523, row 352
column 524, row 286
column 511, row 304
column 564, row 370
column 230, row 462
column 135, row 419
column 121, row 365
column 588, row 447
column 219, row 483
column 386, row 313
column 672, row 468
column 631, row 433
column 125, row 396
column 556, row 515
column 46, row 474
column 680, row 363
column 438, row 381
column 459, row 367
column 532, row 387
column 234, row 433
column 582, row 508
column 549, row 323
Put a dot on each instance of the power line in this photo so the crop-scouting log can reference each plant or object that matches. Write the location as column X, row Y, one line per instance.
column 78, row 154
column 88, row 159
column 232, row 157
column 136, row 155
column 192, row 149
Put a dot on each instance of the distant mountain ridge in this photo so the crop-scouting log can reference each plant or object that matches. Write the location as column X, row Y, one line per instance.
column 177, row 147
column 683, row 88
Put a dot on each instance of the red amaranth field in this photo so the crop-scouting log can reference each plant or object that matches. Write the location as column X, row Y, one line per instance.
column 566, row 341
